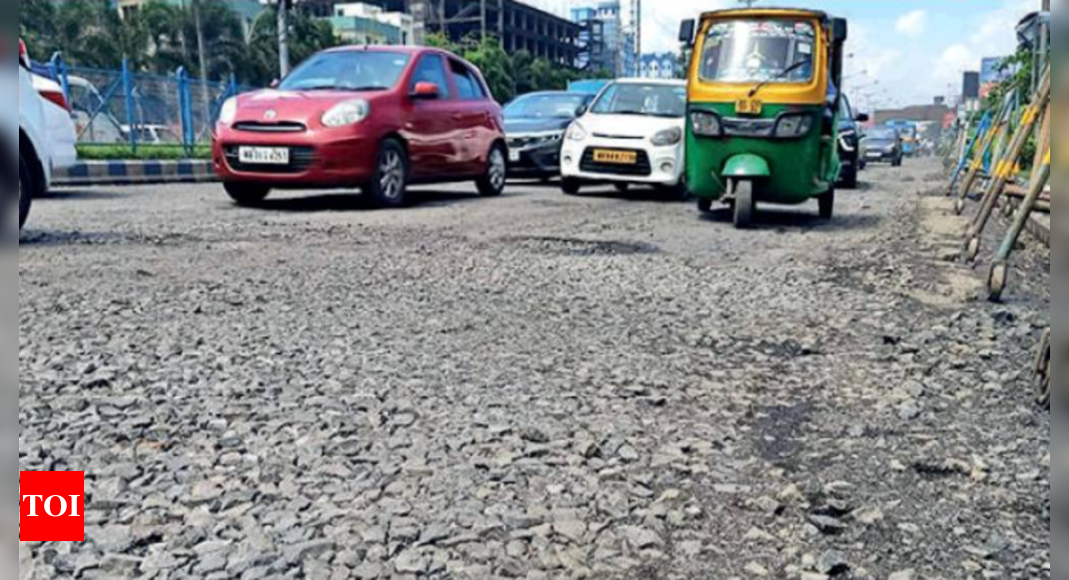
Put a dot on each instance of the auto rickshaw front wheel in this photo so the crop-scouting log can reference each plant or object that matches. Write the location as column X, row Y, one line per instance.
column 827, row 204
column 745, row 207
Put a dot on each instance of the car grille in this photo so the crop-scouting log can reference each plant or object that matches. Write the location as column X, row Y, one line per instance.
column 618, row 137
column 301, row 159
column 283, row 127
column 640, row 169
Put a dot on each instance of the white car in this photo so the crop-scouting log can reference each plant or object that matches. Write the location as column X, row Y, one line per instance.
column 633, row 134
column 62, row 135
column 34, row 175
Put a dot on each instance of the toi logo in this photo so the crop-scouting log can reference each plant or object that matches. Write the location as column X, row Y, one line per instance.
column 52, row 506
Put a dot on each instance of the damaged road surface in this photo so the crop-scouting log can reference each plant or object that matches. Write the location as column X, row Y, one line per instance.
column 538, row 386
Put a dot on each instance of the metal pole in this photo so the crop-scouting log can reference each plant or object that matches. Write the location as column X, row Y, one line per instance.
column 205, row 95
column 482, row 18
column 283, row 39
column 128, row 93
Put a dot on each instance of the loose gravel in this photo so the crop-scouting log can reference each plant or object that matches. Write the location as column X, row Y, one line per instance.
column 538, row 386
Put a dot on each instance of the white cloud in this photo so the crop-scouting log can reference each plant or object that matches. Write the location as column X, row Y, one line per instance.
column 913, row 24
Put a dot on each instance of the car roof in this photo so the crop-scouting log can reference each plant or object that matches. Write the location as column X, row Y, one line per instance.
column 642, row 81
column 412, row 50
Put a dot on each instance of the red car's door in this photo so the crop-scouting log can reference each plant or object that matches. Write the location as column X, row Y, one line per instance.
column 429, row 128
column 473, row 119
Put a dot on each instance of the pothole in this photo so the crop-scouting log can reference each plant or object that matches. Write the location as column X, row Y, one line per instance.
column 584, row 248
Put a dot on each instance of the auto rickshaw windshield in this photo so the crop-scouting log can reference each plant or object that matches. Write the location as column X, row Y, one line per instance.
column 744, row 51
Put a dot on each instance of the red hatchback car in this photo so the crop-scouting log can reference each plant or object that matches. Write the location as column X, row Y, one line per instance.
column 377, row 118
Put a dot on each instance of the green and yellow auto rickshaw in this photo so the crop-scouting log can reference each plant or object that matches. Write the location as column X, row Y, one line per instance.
column 763, row 107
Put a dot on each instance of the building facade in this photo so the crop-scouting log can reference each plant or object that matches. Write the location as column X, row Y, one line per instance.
column 361, row 23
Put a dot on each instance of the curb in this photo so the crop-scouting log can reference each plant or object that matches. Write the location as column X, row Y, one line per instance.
column 134, row 173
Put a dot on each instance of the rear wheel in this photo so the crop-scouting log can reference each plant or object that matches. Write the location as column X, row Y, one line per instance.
column 25, row 192
column 571, row 186
column 745, row 207
column 827, row 205
column 247, row 194
column 492, row 183
column 389, row 185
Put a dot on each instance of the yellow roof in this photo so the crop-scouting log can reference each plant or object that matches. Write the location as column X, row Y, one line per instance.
column 766, row 13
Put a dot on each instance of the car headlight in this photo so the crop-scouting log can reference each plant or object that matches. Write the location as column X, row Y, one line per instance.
column 229, row 111
column 576, row 132
column 791, row 126
column 347, row 113
column 844, row 141
column 667, row 137
column 706, row 124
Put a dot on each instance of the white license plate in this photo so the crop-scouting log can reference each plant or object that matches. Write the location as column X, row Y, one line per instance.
column 514, row 156
column 264, row 155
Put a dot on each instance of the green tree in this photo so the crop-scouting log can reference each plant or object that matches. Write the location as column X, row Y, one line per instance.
column 307, row 37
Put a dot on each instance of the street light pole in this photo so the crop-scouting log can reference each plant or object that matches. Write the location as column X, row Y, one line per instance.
column 205, row 96
column 283, row 39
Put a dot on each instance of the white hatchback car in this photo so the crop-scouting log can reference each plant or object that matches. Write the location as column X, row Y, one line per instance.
column 633, row 133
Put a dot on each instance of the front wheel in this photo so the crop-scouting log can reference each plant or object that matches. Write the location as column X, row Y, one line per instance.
column 571, row 186
column 389, row 184
column 850, row 177
column 25, row 192
column 492, row 183
column 827, row 205
column 247, row 194
column 745, row 206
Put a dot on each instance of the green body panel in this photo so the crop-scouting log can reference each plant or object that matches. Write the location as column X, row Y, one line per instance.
column 798, row 169
column 746, row 165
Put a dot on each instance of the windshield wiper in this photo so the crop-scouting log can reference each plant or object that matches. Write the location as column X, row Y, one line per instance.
column 785, row 72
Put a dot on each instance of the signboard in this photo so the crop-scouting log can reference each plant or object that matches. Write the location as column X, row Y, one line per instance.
column 990, row 73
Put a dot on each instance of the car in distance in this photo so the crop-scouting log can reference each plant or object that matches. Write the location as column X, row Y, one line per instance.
column 376, row 118
column 535, row 125
column 884, row 145
column 851, row 144
column 631, row 134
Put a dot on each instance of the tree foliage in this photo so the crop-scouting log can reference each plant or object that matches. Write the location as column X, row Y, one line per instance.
column 511, row 75
column 162, row 36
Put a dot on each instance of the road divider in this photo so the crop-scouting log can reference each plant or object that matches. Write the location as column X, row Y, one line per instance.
column 134, row 173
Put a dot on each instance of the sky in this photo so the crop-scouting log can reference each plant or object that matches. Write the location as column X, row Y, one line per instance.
column 914, row 49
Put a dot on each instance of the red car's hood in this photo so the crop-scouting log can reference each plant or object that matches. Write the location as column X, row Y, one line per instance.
column 274, row 106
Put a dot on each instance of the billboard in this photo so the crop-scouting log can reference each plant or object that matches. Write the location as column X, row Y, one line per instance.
column 971, row 86
column 990, row 73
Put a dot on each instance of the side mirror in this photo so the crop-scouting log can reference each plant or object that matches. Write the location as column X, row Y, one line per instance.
column 863, row 118
column 581, row 111
column 426, row 91
column 840, row 30
column 275, row 84
column 686, row 32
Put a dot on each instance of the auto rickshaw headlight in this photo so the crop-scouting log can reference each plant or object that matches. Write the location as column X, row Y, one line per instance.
column 667, row 137
column 706, row 124
column 791, row 126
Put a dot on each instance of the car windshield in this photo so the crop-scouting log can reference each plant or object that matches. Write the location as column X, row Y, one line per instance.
column 651, row 100
column 882, row 135
column 347, row 71
column 545, row 106
column 748, row 51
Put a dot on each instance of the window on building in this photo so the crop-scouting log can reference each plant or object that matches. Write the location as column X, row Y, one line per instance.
column 468, row 86
column 430, row 70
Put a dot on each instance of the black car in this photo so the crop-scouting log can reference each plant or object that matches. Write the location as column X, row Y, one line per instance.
column 535, row 126
column 883, row 145
column 850, row 135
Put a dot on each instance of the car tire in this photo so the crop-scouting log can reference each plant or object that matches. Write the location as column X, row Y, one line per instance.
column 492, row 183
column 571, row 186
column 849, row 177
column 26, row 189
column 862, row 165
column 827, row 205
column 389, row 184
column 247, row 194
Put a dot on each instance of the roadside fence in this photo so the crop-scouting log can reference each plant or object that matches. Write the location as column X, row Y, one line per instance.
column 123, row 107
